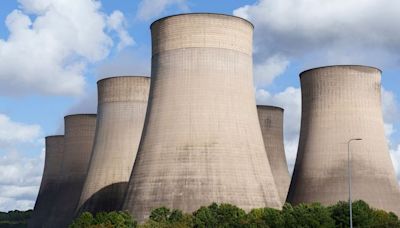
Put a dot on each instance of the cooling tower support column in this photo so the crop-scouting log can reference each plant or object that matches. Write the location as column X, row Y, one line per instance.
column 78, row 141
column 202, row 141
column 341, row 103
column 50, row 179
column 120, row 118
column 271, row 122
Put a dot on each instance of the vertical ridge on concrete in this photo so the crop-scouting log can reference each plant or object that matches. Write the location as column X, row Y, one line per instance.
column 121, row 110
column 271, row 122
column 202, row 141
column 78, row 141
column 340, row 103
column 50, row 179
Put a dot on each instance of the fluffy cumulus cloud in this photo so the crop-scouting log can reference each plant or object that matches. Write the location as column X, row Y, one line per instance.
column 20, row 173
column 327, row 32
column 51, row 42
column 13, row 132
column 149, row 9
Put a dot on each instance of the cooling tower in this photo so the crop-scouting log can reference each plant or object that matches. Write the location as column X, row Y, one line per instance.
column 341, row 103
column 202, row 141
column 50, row 179
column 271, row 122
column 78, row 141
column 120, row 118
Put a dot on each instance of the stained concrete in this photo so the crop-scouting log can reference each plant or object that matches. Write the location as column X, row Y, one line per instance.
column 122, row 103
column 271, row 122
column 50, row 180
column 341, row 103
column 78, row 142
column 202, row 141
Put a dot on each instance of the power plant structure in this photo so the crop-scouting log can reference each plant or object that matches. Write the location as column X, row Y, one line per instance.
column 122, row 104
column 340, row 104
column 78, row 141
column 202, row 141
column 193, row 135
column 50, row 180
column 271, row 122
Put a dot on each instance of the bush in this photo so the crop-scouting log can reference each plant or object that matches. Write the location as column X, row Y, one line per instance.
column 165, row 218
column 265, row 217
column 104, row 219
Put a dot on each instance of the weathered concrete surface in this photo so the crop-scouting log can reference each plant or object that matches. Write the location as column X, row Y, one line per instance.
column 340, row 103
column 78, row 141
column 50, row 180
column 271, row 122
column 120, row 117
column 202, row 141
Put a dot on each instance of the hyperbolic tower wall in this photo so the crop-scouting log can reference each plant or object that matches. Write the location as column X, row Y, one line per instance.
column 340, row 103
column 78, row 141
column 122, row 103
column 50, row 179
column 202, row 141
column 271, row 122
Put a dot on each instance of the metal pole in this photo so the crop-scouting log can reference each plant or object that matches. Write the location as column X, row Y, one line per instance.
column 349, row 170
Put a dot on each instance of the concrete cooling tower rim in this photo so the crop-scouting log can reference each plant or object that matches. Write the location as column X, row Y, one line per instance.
column 370, row 68
column 201, row 13
column 270, row 107
column 83, row 114
column 123, row 76
column 53, row 136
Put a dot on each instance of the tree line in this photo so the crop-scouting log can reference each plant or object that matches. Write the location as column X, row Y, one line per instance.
column 14, row 219
column 227, row 215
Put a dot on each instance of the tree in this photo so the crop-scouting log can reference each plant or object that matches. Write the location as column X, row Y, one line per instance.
column 265, row 217
column 224, row 215
column 307, row 216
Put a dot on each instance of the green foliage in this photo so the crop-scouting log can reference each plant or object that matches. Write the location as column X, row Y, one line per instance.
column 265, row 217
column 112, row 219
column 307, row 216
column 164, row 218
column 14, row 219
column 363, row 215
column 226, row 215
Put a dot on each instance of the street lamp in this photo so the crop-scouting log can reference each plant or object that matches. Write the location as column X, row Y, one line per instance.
column 349, row 170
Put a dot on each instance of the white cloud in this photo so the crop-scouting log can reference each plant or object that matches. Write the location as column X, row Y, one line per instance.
column 51, row 42
column 20, row 173
column 266, row 71
column 149, row 9
column 326, row 32
column 14, row 132
column 395, row 156
column 116, row 21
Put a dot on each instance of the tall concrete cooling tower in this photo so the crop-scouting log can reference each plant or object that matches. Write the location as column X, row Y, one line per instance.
column 341, row 103
column 50, row 179
column 271, row 122
column 120, row 117
column 202, row 141
column 78, row 141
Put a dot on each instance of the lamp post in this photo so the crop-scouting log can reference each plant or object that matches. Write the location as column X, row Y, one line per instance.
column 349, row 170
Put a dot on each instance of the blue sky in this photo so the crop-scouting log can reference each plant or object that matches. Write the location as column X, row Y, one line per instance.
column 52, row 53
